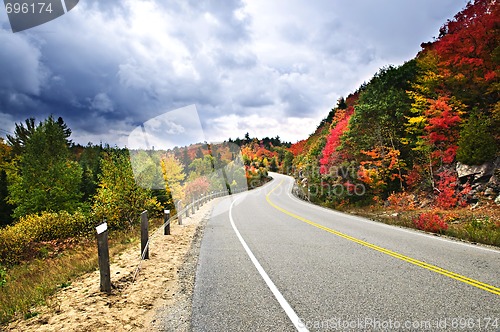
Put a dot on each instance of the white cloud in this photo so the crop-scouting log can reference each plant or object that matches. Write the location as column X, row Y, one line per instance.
column 267, row 67
column 101, row 102
column 289, row 129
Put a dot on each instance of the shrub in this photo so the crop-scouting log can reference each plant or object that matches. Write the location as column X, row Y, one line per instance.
column 401, row 201
column 14, row 244
column 55, row 225
column 447, row 197
column 16, row 241
column 430, row 222
column 3, row 276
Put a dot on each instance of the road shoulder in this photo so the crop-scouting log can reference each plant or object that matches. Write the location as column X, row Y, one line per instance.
column 172, row 311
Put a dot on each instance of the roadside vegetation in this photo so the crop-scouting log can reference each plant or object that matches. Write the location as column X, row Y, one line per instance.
column 54, row 193
column 29, row 283
column 418, row 145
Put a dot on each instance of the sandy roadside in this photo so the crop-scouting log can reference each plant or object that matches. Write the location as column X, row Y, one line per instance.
column 159, row 299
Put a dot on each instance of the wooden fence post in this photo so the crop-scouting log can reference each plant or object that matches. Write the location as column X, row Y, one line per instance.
column 166, row 221
column 144, row 235
column 103, row 257
column 179, row 214
column 192, row 206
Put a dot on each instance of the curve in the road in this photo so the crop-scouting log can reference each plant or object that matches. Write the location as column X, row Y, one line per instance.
column 486, row 287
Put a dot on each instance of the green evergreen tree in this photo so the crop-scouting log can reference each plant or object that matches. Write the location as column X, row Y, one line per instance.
column 5, row 208
column 47, row 179
column 273, row 167
column 185, row 157
column 22, row 133
column 476, row 144
column 89, row 158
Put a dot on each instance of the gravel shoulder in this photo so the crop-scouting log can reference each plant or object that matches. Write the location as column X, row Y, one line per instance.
column 159, row 299
column 173, row 310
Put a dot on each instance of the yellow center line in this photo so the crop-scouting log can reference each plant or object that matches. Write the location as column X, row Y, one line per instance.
column 430, row 267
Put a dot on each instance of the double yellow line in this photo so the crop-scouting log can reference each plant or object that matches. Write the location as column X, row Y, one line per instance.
column 430, row 267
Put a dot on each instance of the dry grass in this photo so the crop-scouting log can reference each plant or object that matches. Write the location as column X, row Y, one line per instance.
column 30, row 283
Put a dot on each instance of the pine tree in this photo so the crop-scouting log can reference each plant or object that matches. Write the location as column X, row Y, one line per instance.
column 47, row 180
column 476, row 144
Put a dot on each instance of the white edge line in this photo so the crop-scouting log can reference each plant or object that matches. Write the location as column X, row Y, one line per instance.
column 296, row 321
column 406, row 230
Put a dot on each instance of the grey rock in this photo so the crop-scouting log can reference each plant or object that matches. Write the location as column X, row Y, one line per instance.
column 425, row 202
column 474, row 206
column 494, row 183
column 489, row 192
column 494, row 180
column 484, row 170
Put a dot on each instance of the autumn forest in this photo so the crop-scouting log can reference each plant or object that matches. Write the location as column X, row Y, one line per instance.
column 417, row 146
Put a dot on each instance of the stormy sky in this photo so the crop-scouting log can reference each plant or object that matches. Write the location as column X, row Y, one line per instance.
column 259, row 66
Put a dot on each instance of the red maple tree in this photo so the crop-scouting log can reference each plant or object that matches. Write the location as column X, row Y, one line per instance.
column 442, row 129
column 330, row 154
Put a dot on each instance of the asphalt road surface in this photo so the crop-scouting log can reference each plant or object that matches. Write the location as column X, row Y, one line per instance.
column 271, row 262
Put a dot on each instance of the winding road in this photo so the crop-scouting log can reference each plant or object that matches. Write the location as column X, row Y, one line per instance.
column 271, row 262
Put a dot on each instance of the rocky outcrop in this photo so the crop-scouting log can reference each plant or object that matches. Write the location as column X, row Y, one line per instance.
column 484, row 180
column 476, row 173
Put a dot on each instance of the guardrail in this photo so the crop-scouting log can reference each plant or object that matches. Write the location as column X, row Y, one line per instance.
column 102, row 233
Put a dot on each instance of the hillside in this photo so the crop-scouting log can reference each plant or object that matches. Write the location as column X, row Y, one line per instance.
column 422, row 135
column 417, row 146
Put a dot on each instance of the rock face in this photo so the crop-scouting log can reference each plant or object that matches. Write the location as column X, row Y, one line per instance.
column 484, row 179
column 485, row 170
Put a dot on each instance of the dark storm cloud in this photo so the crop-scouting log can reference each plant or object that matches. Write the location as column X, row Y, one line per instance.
column 108, row 66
